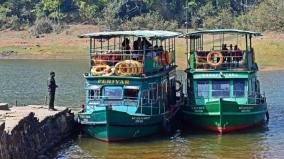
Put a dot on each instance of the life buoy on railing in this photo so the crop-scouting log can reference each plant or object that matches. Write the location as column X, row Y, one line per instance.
column 101, row 70
column 121, row 69
column 163, row 57
column 215, row 54
column 95, row 62
column 168, row 57
column 128, row 68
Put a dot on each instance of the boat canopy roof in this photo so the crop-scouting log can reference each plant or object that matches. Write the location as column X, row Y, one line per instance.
column 221, row 31
column 152, row 34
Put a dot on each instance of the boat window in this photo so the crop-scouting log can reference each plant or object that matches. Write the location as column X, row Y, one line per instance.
column 113, row 92
column 94, row 93
column 131, row 93
column 202, row 88
column 239, row 88
column 220, row 88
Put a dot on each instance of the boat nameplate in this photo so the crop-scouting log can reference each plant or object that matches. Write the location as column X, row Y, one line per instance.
column 139, row 119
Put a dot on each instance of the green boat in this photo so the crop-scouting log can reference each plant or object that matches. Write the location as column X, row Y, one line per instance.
column 131, row 92
column 223, row 91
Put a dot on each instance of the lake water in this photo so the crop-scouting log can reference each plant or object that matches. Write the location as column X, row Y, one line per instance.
column 26, row 82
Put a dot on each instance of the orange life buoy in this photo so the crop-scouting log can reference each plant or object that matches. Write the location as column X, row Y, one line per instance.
column 96, row 62
column 214, row 54
column 101, row 70
column 163, row 56
column 128, row 68
column 168, row 57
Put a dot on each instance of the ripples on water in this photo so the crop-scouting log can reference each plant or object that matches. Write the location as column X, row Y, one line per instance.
column 25, row 80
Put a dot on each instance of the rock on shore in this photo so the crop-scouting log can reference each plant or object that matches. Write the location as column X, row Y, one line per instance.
column 27, row 132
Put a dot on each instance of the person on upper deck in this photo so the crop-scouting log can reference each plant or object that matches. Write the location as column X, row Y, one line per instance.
column 161, row 48
column 146, row 43
column 137, row 47
column 224, row 47
column 226, row 53
column 125, row 45
column 236, row 47
column 137, row 44
column 238, row 54
column 231, row 46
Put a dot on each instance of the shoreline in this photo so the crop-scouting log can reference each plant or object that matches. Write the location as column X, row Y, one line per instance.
column 81, row 57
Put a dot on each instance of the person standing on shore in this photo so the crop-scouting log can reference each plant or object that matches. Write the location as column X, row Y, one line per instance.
column 51, row 90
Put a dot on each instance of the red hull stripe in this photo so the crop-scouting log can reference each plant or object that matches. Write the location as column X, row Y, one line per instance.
column 231, row 128
column 113, row 140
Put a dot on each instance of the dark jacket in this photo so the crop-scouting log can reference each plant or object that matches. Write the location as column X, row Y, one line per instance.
column 51, row 84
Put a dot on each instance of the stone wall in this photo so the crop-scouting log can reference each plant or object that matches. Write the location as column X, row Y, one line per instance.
column 32, row 136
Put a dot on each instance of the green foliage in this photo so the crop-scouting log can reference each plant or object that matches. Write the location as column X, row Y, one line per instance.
column 222, row 19
column 88, row 12
column 266, row 16
column 151, row 21
column 109, row 20
column 269, row 16
column 151, row 14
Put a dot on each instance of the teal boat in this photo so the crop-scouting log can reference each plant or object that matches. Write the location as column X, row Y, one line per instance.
column 131, row 87
column 222, row 88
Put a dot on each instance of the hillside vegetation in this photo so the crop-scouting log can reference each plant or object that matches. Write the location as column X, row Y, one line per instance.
column 41, row 29
column 45, row 16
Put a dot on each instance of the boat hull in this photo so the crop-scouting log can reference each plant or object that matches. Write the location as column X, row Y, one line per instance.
column 113, row 126
column 225, row 116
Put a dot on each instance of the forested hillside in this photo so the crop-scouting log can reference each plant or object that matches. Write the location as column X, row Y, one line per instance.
column 45, row 16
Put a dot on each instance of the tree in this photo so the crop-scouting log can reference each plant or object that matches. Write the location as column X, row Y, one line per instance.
column 87, row 11
column 52, row 9
column 109, row 19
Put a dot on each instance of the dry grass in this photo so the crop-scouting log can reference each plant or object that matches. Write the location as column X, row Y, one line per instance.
column 67, row 45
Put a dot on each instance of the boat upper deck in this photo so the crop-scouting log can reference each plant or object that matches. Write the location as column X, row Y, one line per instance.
column 221, row 49
column 131, row 53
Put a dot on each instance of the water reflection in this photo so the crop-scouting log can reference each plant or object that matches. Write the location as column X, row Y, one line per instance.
column 25, row 80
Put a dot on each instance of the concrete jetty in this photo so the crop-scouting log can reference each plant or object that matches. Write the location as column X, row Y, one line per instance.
column 28, row 132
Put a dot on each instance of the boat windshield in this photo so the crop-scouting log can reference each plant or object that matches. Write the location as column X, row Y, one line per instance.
column 131, row 92
column 113, row 92
column 220, row 88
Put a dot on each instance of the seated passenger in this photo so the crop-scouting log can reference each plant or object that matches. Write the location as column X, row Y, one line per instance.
column 236, row 47
column 226, row 54
column 238, row 54
column 146, row 43
column 224, row 47
column 137, row 45
column 125, row 45
column 231, row 46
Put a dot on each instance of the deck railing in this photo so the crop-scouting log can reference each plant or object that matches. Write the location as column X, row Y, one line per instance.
column 227, row 60
column 143, row 105
column 256, row 98
column 130, row 62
